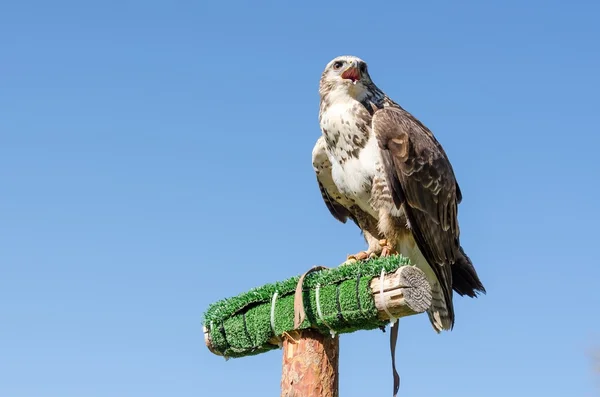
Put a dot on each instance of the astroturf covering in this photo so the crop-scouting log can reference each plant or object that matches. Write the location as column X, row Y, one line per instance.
column 243, row 325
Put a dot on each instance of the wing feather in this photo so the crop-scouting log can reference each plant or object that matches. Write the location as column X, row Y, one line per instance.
column 421, row 178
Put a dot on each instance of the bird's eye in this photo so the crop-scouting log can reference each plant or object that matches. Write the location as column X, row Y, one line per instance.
column 338, row 65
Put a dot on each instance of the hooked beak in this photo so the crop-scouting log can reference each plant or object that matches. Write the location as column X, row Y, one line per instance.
column 352, row 73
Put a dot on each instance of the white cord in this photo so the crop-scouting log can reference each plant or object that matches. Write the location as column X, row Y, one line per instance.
column 317, row 297
column 383, row 304
column 273, row 301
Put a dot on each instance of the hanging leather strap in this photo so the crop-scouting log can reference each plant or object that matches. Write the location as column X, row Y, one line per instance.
column 393, row 340
column 299, row 313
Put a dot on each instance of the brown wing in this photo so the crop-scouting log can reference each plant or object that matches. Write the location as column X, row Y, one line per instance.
column 421, row 178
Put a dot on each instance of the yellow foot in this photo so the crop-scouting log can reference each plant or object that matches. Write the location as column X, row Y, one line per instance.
column 387, row 248
column 359, row 257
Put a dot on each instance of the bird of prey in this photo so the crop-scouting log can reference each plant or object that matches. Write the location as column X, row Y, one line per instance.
column 381, row 167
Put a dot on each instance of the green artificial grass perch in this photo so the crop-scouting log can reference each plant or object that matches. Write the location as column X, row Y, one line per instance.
column 243, row 325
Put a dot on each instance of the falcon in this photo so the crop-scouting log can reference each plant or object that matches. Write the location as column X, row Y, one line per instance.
column 379, row 166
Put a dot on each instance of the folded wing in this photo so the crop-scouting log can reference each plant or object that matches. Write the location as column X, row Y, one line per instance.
column 421, row 179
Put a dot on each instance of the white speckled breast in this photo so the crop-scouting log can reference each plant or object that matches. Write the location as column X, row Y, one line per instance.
column 353, row 167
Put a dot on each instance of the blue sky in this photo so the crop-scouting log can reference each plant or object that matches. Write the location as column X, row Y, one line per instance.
column 155, row 157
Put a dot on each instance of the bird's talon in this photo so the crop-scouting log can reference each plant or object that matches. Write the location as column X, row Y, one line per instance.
column 361, row 256
column 349, row 261
column 388, row 250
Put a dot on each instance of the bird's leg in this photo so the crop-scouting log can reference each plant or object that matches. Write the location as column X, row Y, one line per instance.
column 387, row 249
column 388, row 226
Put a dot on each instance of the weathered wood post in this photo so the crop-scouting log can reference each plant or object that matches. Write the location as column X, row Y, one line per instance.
column 339, row 300
column 310, row 364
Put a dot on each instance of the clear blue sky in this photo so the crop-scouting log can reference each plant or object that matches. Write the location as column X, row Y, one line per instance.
column 155, row 157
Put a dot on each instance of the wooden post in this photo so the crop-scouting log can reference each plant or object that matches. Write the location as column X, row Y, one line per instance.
column 310, row 359
column 310, row 364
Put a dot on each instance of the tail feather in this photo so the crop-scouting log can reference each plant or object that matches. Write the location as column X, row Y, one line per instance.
column 465, row 280
column 438, row 313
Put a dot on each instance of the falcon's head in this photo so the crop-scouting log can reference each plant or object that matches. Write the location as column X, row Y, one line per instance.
column 346, row 75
